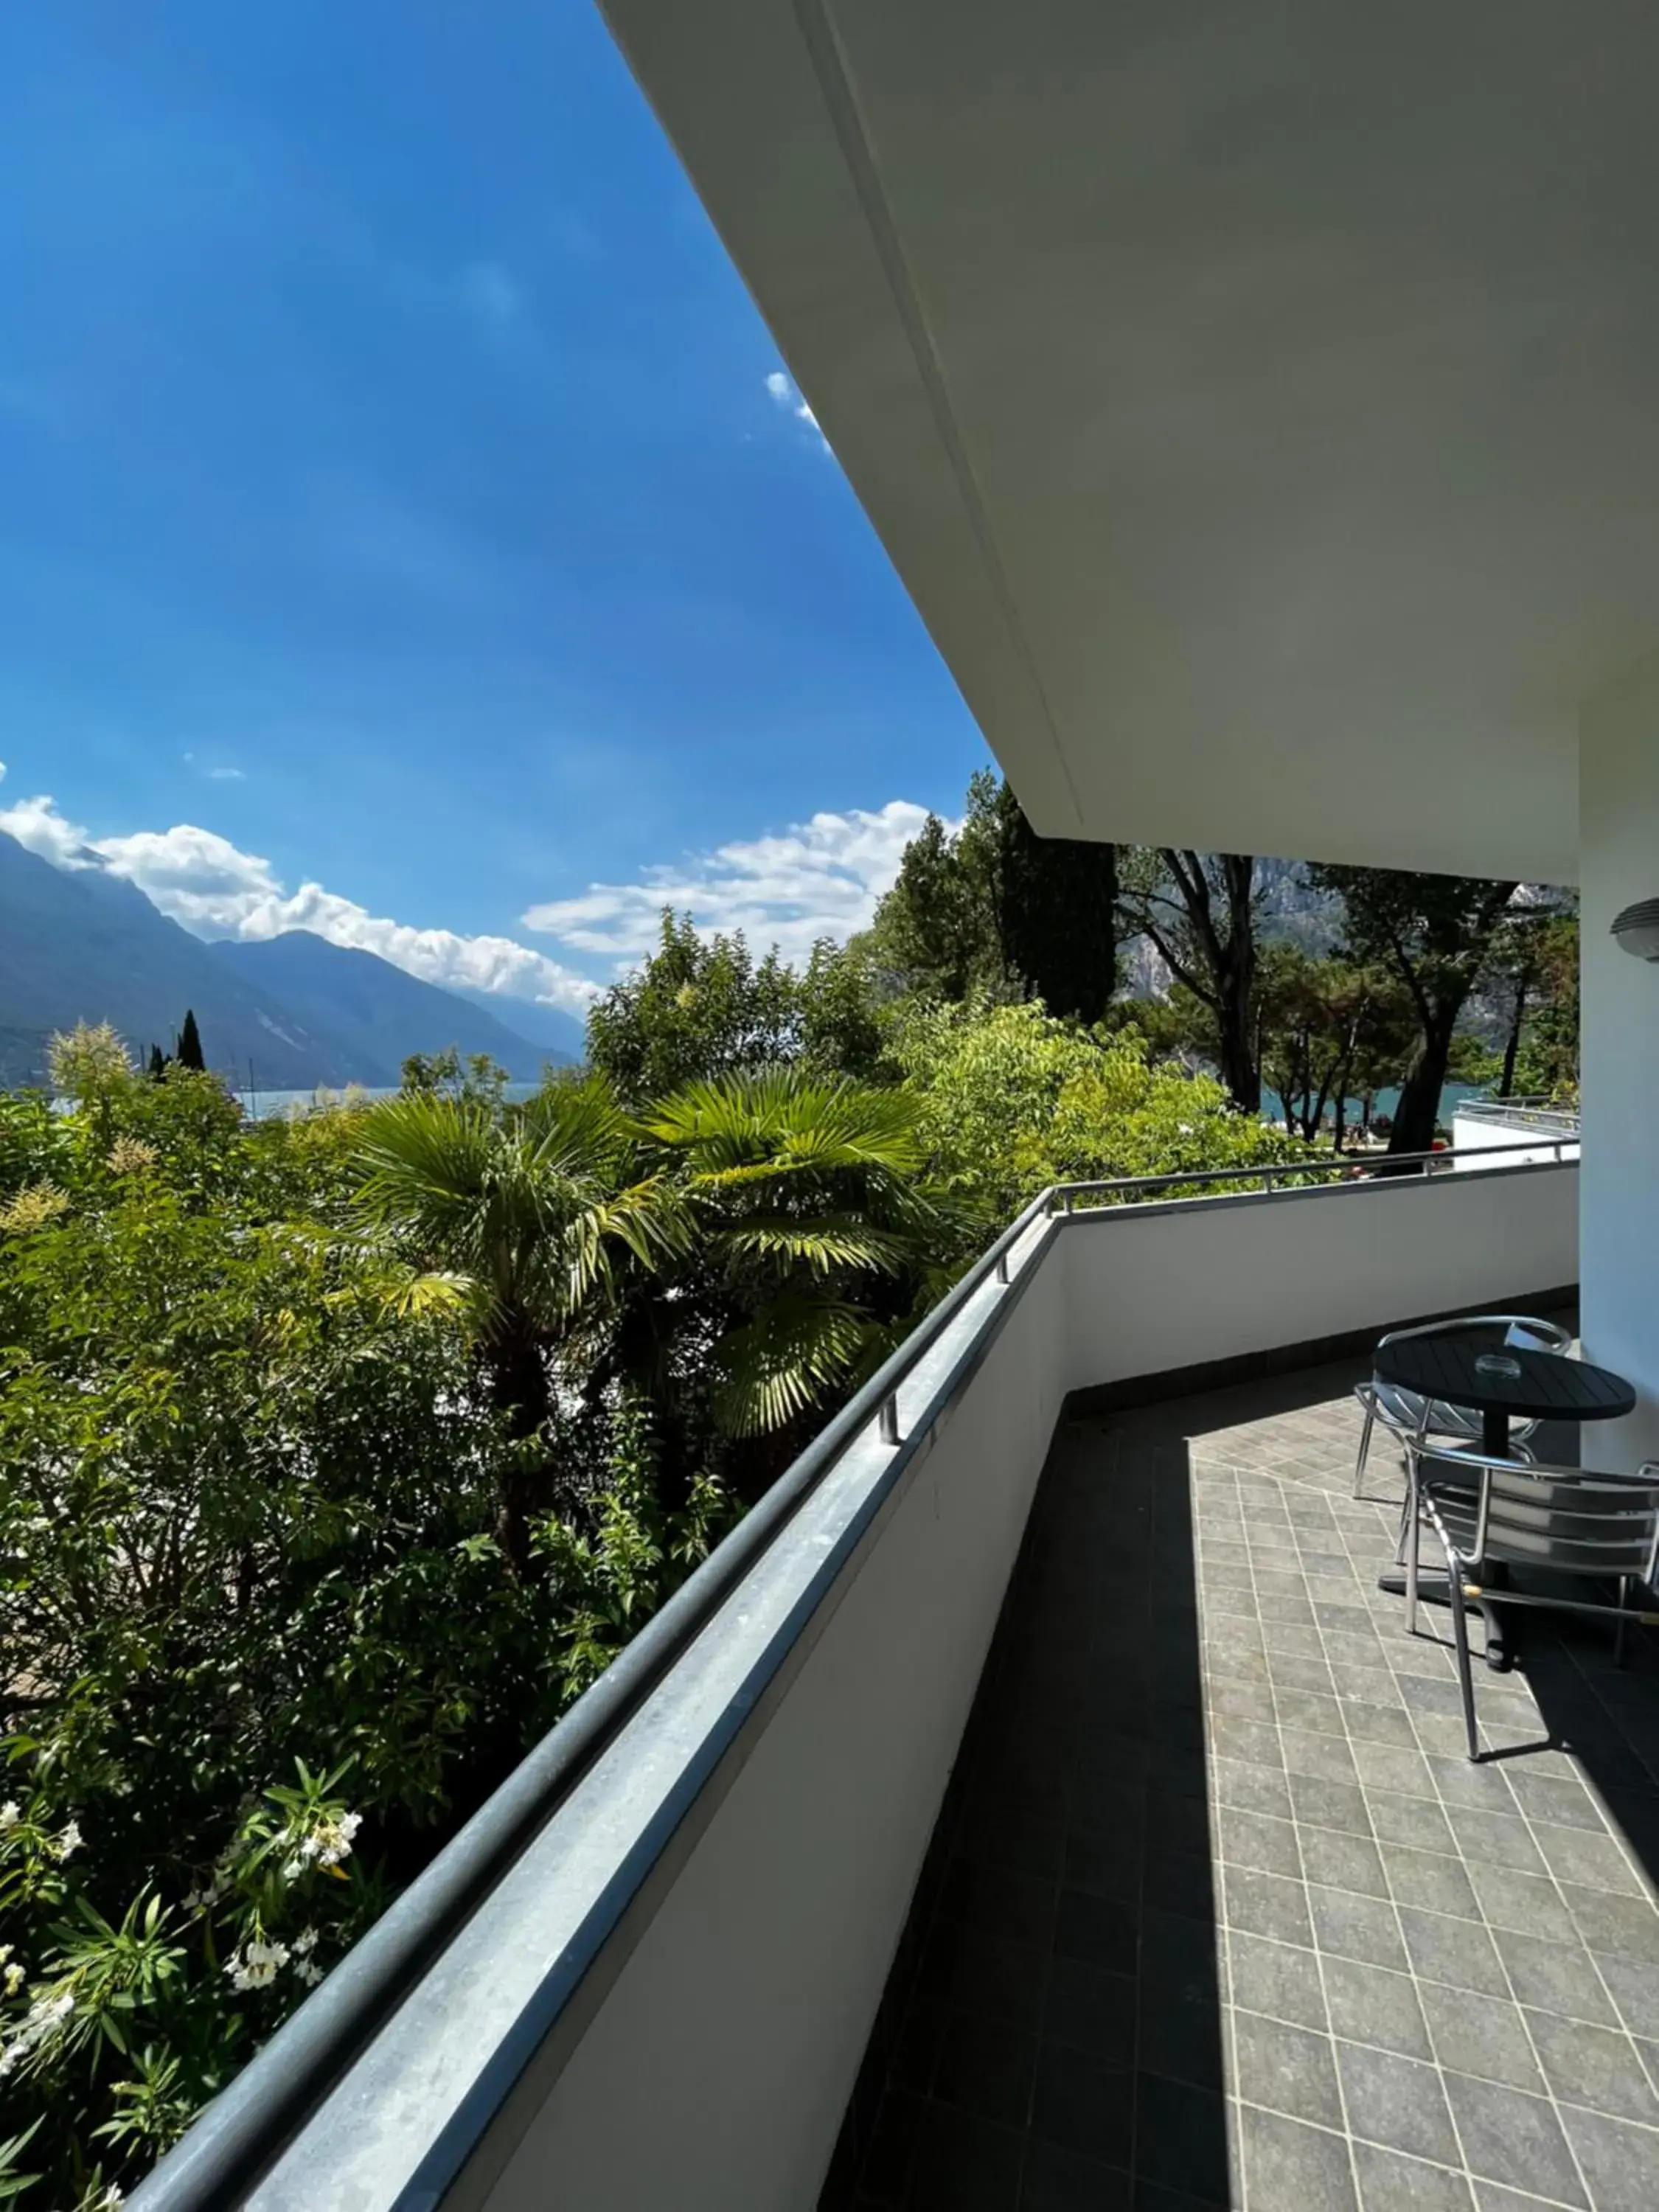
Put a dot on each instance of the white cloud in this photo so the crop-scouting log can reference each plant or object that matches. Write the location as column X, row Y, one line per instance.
column 784, row 394
column 227, row 775
column 215, row 889
column 817, row 878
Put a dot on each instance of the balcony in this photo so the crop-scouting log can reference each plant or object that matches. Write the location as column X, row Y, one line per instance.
column 1035, row 1803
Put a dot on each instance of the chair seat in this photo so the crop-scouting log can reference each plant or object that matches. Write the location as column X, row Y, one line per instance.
column 1404, row 1409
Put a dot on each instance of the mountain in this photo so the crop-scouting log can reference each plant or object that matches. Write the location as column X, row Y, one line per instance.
column 80, row 945
column 375, row 1013
column 560, row 1036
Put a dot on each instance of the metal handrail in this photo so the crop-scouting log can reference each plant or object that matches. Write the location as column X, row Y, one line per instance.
column 1520, row 1113
column 247, row 2128
column 1383, row 1165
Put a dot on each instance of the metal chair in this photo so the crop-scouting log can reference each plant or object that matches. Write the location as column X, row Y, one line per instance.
column 1497, row 1513
column 1413, row 1419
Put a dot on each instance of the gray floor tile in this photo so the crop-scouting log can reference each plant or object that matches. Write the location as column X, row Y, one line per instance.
column 1394, row 1767
column 1327, row 1757
column 1513, row 2139
column 1485, row 2036
column 1635, row 1991
column 1627, row 1926
column 1429, row 1880
column 1252, row 1788
column 1386, row 1724
column 1321, row 1803
column 1458, row 1952
column 1488, row 1839
column 1279, row 1979
column 1592, row 1861
column 1288, row 2164
column 1396, row 2102
column 1620, row 2160
column 1524, row 1901
column 1340, row 1861
column 1362, row 1927
column 1289, row 2069
column 1559, row 1978
column 1368, row 2004
column 1252, row 1840
column 1391, row 2183
column 1416, row 1822
column 1594, row 2066
column 1266, row 1904
column 1310, row 1715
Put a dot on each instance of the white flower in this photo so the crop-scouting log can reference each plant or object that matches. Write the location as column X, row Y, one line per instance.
column 293, row 1868
column 70, row 1840
column 9, row 1816
column 305, row 1943
column 308, row 1974
column 14, row 1979
column 255, row 1967
column 113, row 2197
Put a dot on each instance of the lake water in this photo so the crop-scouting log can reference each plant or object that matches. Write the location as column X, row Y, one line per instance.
column 262, row 1105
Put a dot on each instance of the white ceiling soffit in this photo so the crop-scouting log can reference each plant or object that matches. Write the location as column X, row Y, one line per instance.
column 1260, row 402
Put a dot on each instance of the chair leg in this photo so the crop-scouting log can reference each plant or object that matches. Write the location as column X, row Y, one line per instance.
column 1460, row 1638
column 1413, row 1544
column 1364, row 1453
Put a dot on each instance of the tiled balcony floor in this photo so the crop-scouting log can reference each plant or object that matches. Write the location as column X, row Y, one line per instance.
column 1218, row 1913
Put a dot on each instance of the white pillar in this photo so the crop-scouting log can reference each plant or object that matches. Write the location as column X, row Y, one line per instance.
column 1619, row 1173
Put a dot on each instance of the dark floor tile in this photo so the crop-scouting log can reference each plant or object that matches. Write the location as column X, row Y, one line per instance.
column 1594, row 2066
column 1092, row 2010
column 915, row 2048
column 986, row 2066
column 1277, row 1979
column 1620, row 2161
column 1289, row 2069
column 1391, row 2183
column 1513, row 2139
column 996, row 1900
column 1181, row 2034
column 1083, row 2105
column 1058, row 2180
column 988, row 1973
column 1105, row 1861
column 1368, row 2004
column 1181, row 1881
column 1288, row 2164
column 1101, row 1931
column 885, row 2176
column 1180, row 2139
column 1396, row 2102
column 964, row 2164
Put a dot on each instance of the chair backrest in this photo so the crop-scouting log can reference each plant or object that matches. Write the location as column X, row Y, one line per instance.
column 1524, row 1330
column 1563, row 1518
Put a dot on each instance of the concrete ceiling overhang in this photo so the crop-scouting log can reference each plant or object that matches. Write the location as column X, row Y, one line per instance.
column 1260, row 403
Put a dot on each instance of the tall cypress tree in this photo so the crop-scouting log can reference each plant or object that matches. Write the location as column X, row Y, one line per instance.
column 189, row 1054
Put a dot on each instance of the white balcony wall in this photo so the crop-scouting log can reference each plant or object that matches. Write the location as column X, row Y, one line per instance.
column 705, row 2058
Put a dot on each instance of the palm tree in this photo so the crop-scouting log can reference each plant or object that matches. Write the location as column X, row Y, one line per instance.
column 817, row 1238
column 519, row 1218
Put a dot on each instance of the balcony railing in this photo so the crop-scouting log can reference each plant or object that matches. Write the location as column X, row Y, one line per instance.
column 643, row 1973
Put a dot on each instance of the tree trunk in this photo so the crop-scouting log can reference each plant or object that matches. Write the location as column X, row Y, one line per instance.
column 1418, row 1109
column 1512, row 1044
column 519, row 1387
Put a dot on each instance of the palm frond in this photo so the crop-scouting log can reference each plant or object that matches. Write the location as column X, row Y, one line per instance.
column 783, row 1362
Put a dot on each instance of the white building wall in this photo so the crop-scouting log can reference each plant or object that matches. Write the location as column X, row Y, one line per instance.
column 1618, row 833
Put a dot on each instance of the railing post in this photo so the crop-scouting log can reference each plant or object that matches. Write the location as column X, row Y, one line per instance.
column 1267, row 1182
column 1002, row 1266
column 889, row 1427
column 1069, row 1207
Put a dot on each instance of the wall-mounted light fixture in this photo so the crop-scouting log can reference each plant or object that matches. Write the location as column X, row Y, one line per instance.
column 1638, row 929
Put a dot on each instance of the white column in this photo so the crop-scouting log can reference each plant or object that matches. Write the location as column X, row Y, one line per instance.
column 1619, row 1173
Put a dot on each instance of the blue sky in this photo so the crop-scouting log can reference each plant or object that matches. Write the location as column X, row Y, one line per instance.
column 399, row 529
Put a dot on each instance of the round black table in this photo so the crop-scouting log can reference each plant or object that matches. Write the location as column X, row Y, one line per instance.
column 1502, row 1383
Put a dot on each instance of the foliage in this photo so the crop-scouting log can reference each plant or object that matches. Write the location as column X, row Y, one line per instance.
column 1012, row 1099
column 697, row 1009
column 1328, row 1032
column 1436, row 934
column 1201, row 911
column 189, row 1053
column 992, row 906
column 86, row 1061
column 478, row 1077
